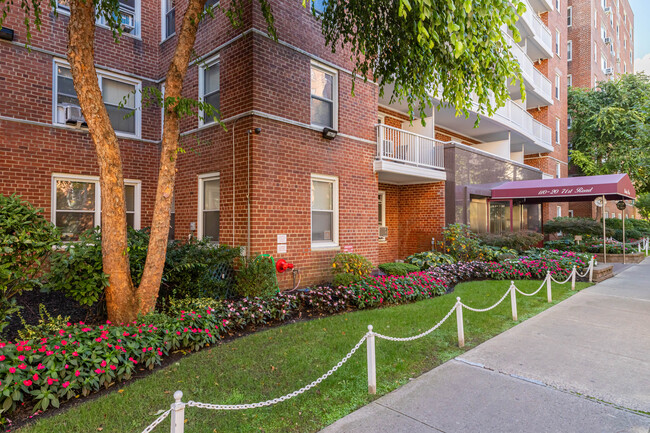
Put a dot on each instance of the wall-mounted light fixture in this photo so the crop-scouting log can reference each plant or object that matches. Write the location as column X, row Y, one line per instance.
column 329, row 133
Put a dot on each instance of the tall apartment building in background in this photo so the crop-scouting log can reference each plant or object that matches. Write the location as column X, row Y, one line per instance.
column 600, row 47
column 328, row 171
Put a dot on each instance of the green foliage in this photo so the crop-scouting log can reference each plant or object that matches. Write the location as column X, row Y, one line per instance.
column 47, row 325
column 199, row 268
column 610, row 130
column 456, row 52
column 642, row 203
column 519, row 241
column 429, row 259
column 575, row 226
column 399, row 269
column 499, row 254
column 345, row 280
column 178, row 306
column 351, row 263
column 256, row 277
column 26, row 241
column 463, row 244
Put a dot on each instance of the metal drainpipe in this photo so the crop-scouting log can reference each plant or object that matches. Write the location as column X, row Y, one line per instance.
column 248, row 194
column 233, row 180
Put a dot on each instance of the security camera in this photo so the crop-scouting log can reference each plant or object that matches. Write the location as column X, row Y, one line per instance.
column 258, row 130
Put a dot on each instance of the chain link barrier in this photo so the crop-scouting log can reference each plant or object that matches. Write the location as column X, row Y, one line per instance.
column 562, row 282
column 160, row 419
column 535, row 292
column 415, row 337
column 481, row 310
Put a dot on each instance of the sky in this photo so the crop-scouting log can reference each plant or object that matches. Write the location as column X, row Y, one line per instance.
column 641, row 9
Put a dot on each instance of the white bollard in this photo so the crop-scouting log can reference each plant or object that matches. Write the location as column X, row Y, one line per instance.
column 372, row 367
column 647, row 242
column 513, row 300
column 591, row 269
column 178, row 414
column 549, row 294
column 573, row 278
column 459, row 321
column 639, row 245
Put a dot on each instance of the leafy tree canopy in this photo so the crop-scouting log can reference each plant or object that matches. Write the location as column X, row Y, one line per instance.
column 642, row 204
column 610, row 130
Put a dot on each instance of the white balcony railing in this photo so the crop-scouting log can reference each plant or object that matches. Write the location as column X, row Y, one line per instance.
column 540, row 84
column 541, row 32
column 516, row 114
column 406, row 147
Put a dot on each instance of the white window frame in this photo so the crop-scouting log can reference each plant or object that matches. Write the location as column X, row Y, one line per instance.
column 100, row 75
column 557, row 5
column 216, row 60
column 558, row 170
column 382, row 197
column 557, row 87
column 557, row 130
column 559, row 211
column 569, row 51
column 335, row 94
column 137, row 196
column 570, row 213
column 557, row 42
column 202, row 178
column 137, row 20
column 569, row 80
column 334, row 244
column 570, row 16
column 569, row 121
column 606, row 214
column 163, row 21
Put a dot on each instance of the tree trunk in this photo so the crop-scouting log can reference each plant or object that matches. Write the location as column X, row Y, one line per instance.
column 120, row 300
column 154, row 266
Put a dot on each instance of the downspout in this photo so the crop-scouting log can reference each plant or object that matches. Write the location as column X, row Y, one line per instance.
column 233, row 181
column 248, row 195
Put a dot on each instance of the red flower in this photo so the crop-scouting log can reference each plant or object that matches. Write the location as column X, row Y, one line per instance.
column 35, row 377
column 2, row 357
column 12, row 370
column 76, row 373
column 113, row 367
column 27, row 382
column 65, row 384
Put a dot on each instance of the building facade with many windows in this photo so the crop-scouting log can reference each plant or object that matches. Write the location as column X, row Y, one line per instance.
column 302, row 169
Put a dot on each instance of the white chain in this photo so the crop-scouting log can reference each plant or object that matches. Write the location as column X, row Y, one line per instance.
column 284, row 397
column 160, row 419
column 591, row 263
column 481, row 310
column 415, row 337
column 535, row 292
column 565, row 281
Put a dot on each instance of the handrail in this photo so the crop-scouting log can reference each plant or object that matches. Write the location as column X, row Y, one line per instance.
column 406, row 147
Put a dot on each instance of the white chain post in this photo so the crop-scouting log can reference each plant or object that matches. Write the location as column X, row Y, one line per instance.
column 513, row 300
column 178, row 414
column 372, row 367
column 549, row 294
column 573, row 278
column 591, row 269
column 647, row 242
column 459, row 321
column 639, row 245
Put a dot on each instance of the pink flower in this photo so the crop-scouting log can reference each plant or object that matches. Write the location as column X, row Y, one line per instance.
column 21, row 357
column 50, row 381
column 27, row 382
column 35, row 377
column 63, row 342
column 76, row 373
column 40, row 366
column 49, row 352
column 99, row 371
column 103, row 364
column 2, row 357
column 65, row 384
column 22, row 366
column 12, row 370
column 113, row 367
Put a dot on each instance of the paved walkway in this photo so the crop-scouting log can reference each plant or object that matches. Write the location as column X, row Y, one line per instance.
column 580, row 366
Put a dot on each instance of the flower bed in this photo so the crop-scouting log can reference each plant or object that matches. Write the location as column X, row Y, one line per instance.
column 80, row 359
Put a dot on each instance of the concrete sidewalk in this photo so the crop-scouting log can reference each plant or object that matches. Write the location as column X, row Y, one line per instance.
column 580, row 366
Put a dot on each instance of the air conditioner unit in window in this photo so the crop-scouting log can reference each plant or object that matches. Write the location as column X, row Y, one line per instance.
column 608, row 10
column 609, row 71
column 383, row 232
column 72, row 116
column 608, row 40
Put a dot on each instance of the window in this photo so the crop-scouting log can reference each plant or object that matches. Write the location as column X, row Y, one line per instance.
column 603, row 32
column 603, row 63
column 324, row 94
column 209, row 4
column 606, row 214
column 76, row 204
column 168, row 18
column 569, row 80
column 557, row 130
column 557, row 87
column 595, row 52
column 319, row 5
column 558, row 170
column 625, row 68
column 557, row 5
column 569, row 50
column 557, row 42
column 381, row 211
column 120, row 95
column 571, row 213
column 559, row 211
column 595, row 19
column 569, row 16
column 209, row 203
column 569, row 121
column 63, row 7
column 210, row 90
column 324, row 211
column 130, row 14
column 603, row 3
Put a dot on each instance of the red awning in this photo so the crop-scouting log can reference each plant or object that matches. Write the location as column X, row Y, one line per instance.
column 612, row 186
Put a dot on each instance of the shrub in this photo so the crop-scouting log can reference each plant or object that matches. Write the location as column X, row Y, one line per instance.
column 199, row 268
column 256, row 277
column 377, row 291
column 398, row 268
column 47, row 325
column 462, row 243
column 355, row 266
column 429, row 259
column 26, row 241
column 519, row 241
column 575, row 226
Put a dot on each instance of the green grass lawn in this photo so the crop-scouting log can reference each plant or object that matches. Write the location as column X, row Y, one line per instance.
column 272, row 363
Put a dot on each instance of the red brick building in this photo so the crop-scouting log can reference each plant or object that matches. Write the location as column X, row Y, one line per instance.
column 270, row 182
column 601, row 47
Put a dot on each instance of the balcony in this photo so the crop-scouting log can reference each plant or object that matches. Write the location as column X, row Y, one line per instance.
column 541, row 6
column 537, row 36
column 538, row 87
column 514, row 114
column 406, row 158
